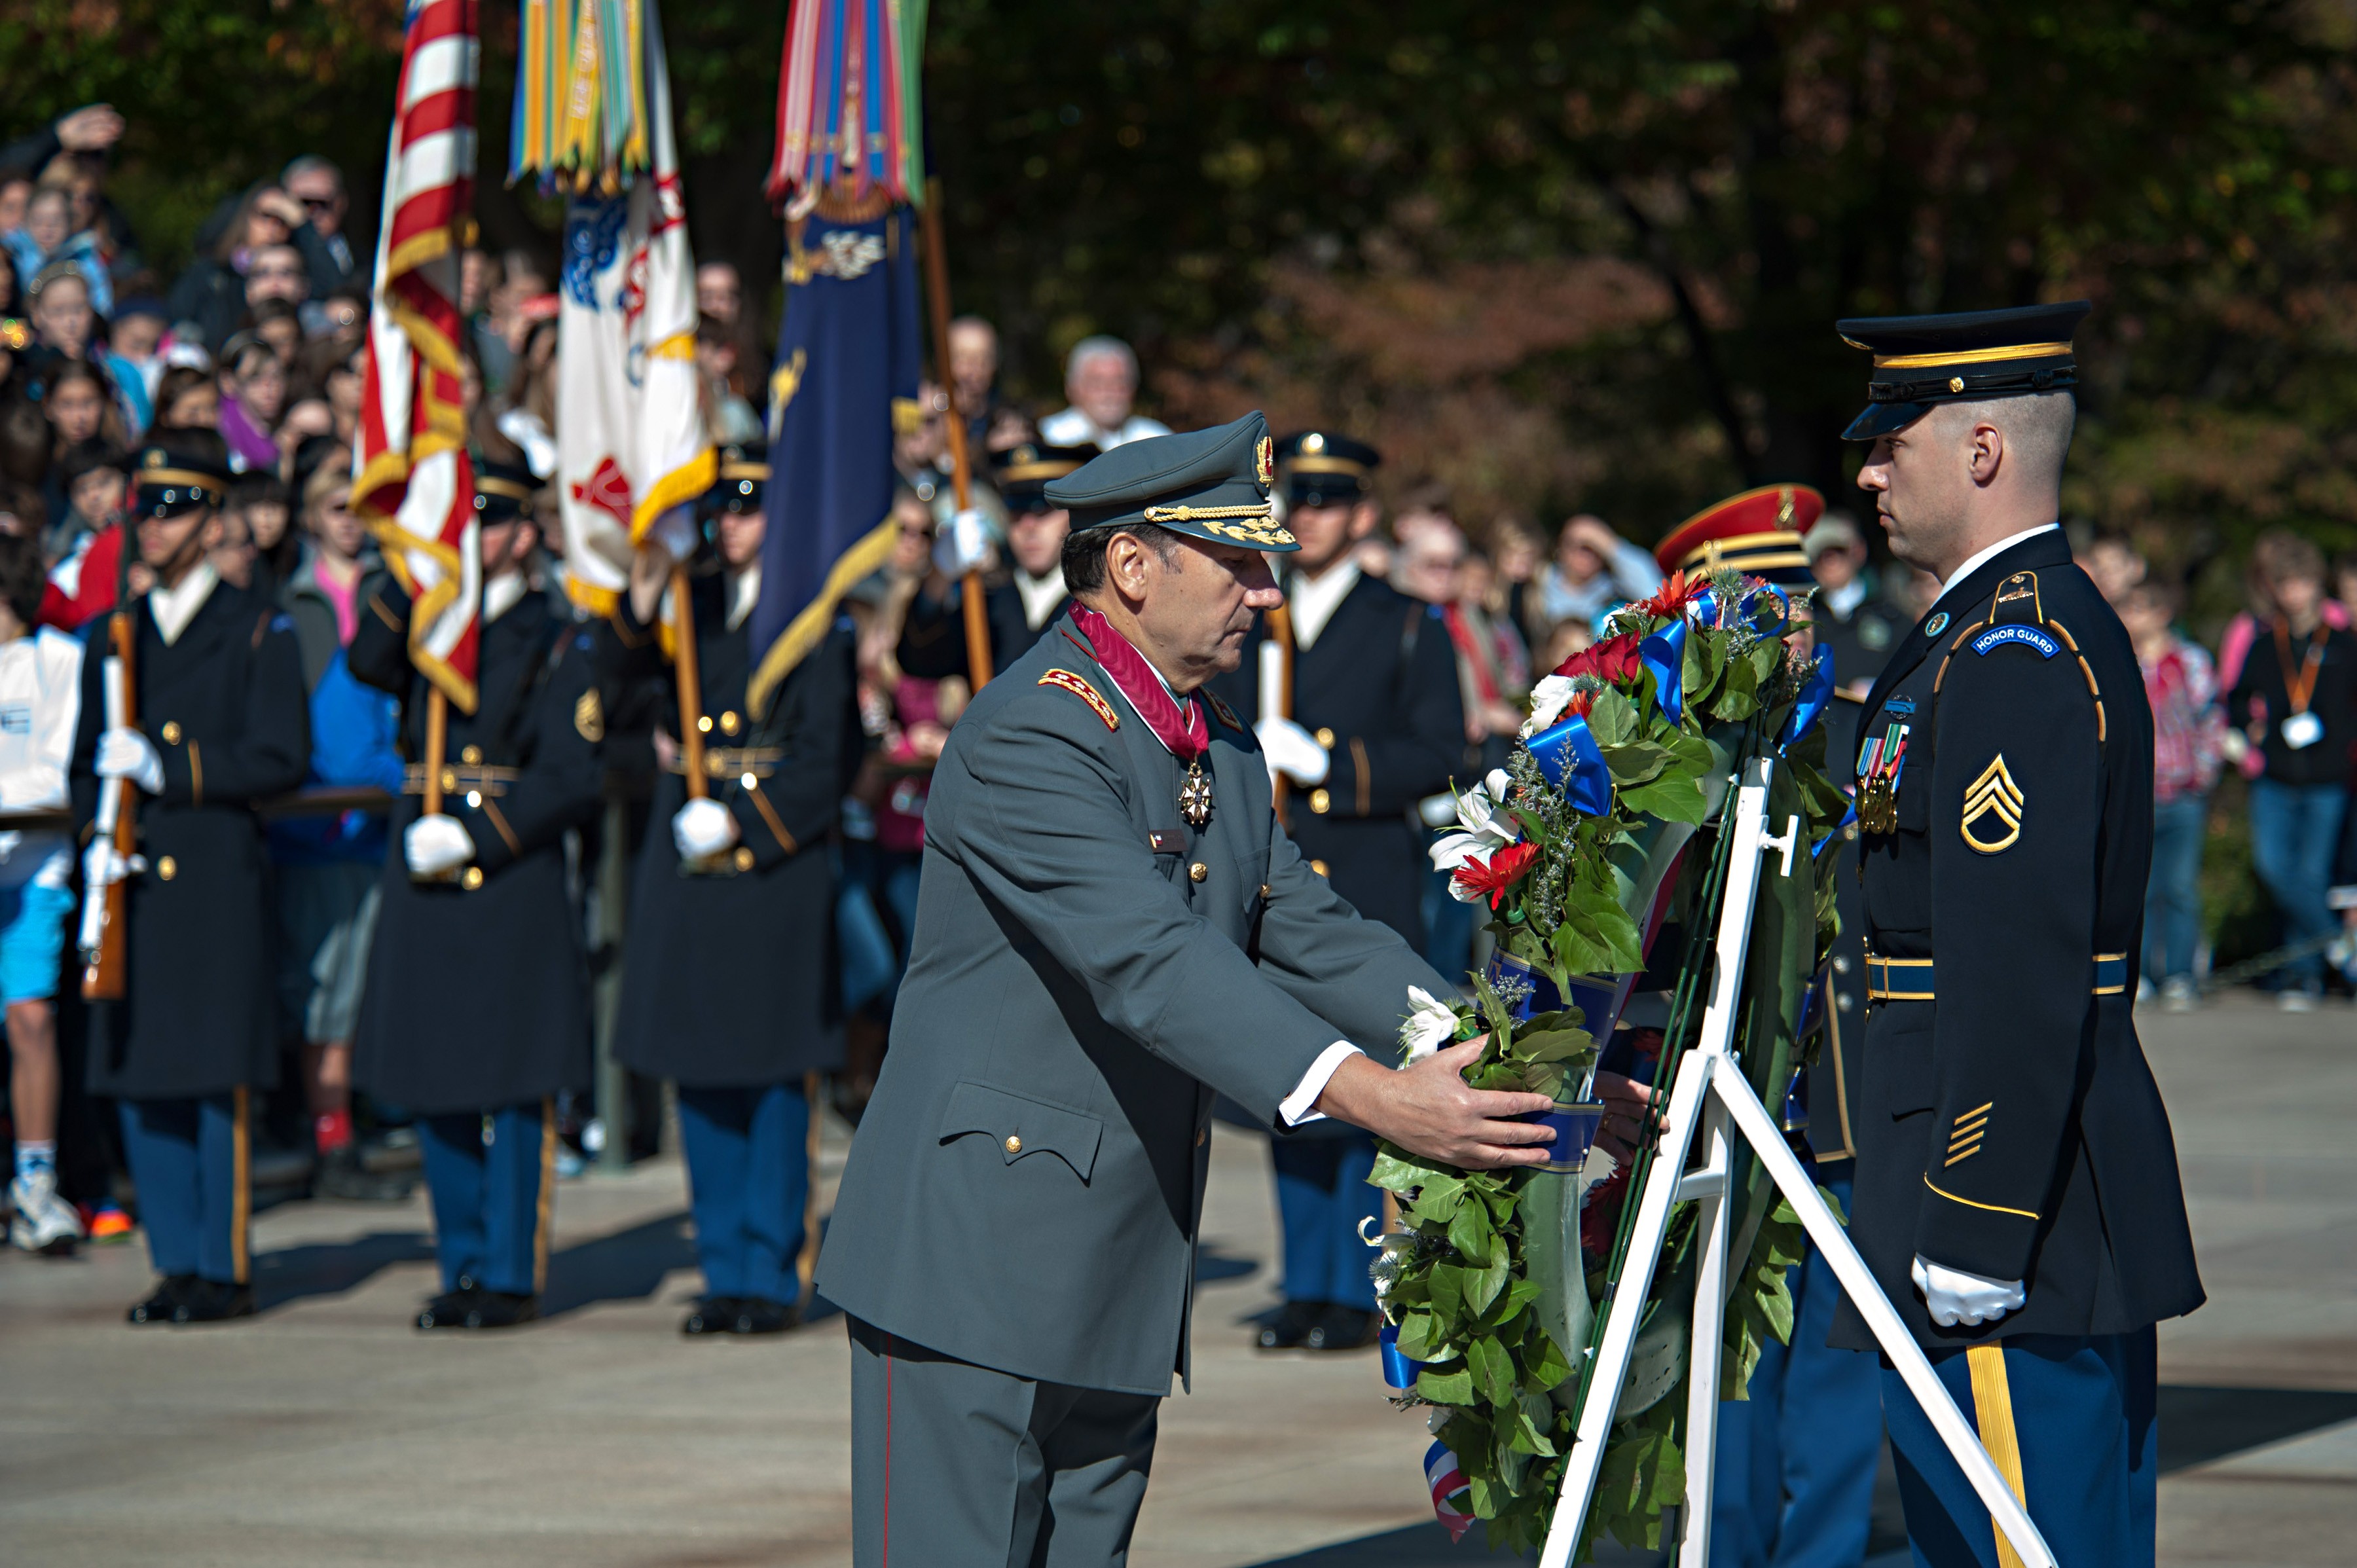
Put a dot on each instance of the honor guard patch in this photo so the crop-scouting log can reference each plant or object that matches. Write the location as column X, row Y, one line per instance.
column 589, row 717
column 1994, row 795
column 2013, row 632
column 1225, row 715
column 1067, row 681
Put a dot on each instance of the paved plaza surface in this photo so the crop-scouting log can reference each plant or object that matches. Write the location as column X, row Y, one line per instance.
column 327, row 1432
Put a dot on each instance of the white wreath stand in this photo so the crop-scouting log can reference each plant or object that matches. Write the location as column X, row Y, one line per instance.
column 1709, row 1090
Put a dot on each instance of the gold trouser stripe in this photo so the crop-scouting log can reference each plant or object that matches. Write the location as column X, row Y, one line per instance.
column 1993, row 1406
column 806, row 1261
column 241, row 1185
column 547, row 1208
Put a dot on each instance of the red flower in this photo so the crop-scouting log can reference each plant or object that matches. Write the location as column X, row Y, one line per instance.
column 1676, row 594
column 1612, row 661
column 1506, row 867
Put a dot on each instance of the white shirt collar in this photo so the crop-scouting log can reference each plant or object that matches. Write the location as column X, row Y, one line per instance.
column 1040, row 596
column 1982, row 558
column 1844, row 599
column 744, row 593
column 1314, row 601
column 503, row 594
column 174, row 609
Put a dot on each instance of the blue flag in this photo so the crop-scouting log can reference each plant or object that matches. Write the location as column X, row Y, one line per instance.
column 846, row 370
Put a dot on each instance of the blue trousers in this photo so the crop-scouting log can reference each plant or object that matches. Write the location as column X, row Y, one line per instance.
column 2082, row 1414
column 2295, row 836
column 2172, row 899
column 492, row 1196
column 1322, row 1198
column 1795, row 1478
column 191, row 1159
column 747, row 1179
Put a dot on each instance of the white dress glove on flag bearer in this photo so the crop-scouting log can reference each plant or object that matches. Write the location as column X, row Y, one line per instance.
column 676, row 532
column 436, row 845
column 1288, row 749
column 963, row 544
column 127, row 754
column 102, row 864
column 703, row 829
column 1955, row 1296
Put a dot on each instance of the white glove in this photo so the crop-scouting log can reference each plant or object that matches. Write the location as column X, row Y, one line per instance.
column 962, row 544
column 676, row 532
column 1288, row 749
column 703, row 829
column 1955, row 1296
column 436, row 845
column 102, row 865
column 127, row 754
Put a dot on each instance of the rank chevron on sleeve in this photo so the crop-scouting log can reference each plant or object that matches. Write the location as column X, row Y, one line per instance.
column 1993, row 793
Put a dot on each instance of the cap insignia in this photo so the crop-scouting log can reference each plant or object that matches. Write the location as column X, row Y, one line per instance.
column 1264, row 460
column 1313, row 443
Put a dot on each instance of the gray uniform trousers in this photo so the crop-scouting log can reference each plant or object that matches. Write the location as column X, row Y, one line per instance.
column 955, row 1465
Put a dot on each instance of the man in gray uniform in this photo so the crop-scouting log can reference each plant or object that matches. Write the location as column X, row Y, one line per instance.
column 1112, row 929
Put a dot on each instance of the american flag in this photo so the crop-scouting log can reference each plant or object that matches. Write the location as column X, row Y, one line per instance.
column 411, row 477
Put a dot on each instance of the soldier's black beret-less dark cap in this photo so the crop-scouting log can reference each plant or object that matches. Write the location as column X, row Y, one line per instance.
column 1318, row 468
column 503, row 491
column 738, row 480
column 1210, row 484
column 1022, row 473
column 1922, row 362
column 172, row 477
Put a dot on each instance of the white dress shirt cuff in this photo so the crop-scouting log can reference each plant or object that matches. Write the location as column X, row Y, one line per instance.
column 1295, row 1107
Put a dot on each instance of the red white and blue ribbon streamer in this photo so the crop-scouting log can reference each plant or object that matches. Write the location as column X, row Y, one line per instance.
column 1447, row 1481
column 849, row 100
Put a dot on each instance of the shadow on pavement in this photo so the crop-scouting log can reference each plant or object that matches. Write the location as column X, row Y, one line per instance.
column 321, row 1268
column 627, row 1265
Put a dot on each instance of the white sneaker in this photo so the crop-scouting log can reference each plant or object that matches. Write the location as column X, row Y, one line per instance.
column 2295, row 1002
column 2178, row 994
column 44, row 1223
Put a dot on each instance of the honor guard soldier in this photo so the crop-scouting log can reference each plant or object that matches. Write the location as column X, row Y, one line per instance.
column 933, row 642
column 1111, row 930
column 1795, row 1478
column 2018, row 1195
column 218, row 723
column 728, row 979
column 477, row 1009
column 1374, row 723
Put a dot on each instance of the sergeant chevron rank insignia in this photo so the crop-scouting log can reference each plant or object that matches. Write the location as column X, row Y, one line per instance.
column 1993, row 794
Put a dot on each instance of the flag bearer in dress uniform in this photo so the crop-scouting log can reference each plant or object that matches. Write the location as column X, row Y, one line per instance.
column 477, row 1009
column 729, row 978
column 221, row 722
column 932, row 640
column 2018, row 1195
column 1376, row 723
column 1112, row 929
column 1795, row 1478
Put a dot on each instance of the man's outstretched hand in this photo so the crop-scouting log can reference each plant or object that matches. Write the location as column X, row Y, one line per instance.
column 1428, row 1109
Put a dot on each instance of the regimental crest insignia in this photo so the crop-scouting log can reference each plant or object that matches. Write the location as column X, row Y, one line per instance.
column 1225, row 714
column 1264, row 461
column 1993, row 808
column 1936, row 624
column 1064, row 680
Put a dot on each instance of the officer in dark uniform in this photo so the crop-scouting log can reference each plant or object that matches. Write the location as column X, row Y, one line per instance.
column 477, row 1008
column 932, row 639
column 221, row 722
column 1860, row 629
column 1375, row 723
column 2018, row 1195
column 729, row 979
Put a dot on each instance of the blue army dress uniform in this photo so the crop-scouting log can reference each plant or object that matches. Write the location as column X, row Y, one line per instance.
column 1018, row 609
column 2010, row 1127
column 217, row 690
column 729, row 980
column 476, row 1015
column 1106, row 939
column 1374, row 682
column 1793, row 1485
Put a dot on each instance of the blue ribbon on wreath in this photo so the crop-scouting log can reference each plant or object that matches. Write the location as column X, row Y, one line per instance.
column 1816, row 692
column 1569, row 759
column 1665, row 654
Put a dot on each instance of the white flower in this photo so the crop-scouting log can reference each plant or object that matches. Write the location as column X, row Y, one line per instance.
column 1485, row 824
column 1548, row 700
column 1429, row 1025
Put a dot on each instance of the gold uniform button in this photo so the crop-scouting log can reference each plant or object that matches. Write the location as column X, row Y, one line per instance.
column 472, row 756
column 730, row 723
column 1197, row 871
column 1319, row 801
column 473, row 879
column 1263, row 889
column 705, row 724
column 171, row 732
column 743, row 858
column 1014, row 1145
column 1318, row 866
column 168, row 868
column 1326, row 737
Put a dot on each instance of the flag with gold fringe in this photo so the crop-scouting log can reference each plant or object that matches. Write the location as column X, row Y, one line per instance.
column 412, row 479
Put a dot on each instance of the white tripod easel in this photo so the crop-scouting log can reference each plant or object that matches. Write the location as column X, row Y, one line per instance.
column 1710, row 1088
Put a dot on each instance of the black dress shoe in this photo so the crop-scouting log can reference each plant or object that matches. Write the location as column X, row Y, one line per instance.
column 160, row 1306
column 1342, row 1328
column 712, row 1314
column 449, row 1309
column 501, row 1309
column 754, row 1316
column 211, row 1301
column 1290, row 1329
column 342, row 1177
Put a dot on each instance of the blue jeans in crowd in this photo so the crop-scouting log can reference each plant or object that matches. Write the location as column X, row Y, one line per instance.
column 2295, row 832
column 2172, row 898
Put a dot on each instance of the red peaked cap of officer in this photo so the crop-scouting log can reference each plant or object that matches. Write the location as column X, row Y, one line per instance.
column 1757, row 533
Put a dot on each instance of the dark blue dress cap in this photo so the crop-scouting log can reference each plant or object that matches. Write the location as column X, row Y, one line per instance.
column 1318, row 468
column 503, row 491
column 1922, row 362
column 1209, row 484
column 1022, row 472
column 190, row 470
column 739, row 473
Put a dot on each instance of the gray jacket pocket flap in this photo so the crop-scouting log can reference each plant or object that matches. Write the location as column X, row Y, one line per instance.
column 1021, row 1126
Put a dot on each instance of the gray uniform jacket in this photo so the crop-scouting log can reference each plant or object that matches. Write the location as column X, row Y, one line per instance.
column 1088, row 973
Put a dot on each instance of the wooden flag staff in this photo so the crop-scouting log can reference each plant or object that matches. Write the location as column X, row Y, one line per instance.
column 937, row 288
column 690, row 684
